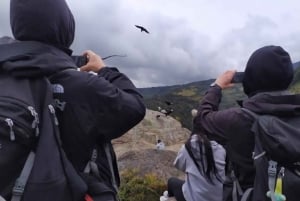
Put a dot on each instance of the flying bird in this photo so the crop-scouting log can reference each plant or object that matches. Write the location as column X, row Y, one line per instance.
column 142, row 28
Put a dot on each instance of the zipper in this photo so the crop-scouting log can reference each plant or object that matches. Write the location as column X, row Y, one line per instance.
column 11, row 121
column 281, row 172
column 36, row 121
column 15, row 128
column 10, row 124
column 52, row 111
column 15, row 102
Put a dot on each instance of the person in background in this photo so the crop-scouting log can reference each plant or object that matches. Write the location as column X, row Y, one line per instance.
column 160, row 145
column 268, row 74
column 203, row 161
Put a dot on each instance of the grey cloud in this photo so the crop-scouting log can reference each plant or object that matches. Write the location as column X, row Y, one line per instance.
column 237, row 45
column 174, row 52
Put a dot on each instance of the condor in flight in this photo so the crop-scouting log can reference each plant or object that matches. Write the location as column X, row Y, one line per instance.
column 142, row 28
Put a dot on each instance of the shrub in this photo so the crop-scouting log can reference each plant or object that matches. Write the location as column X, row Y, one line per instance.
column 135, row 187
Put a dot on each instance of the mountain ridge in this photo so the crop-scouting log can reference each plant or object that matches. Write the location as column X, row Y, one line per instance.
column 186, row 97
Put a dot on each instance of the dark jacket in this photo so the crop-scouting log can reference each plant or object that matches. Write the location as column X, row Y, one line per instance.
column 231, row 127
column 52, row 175
column 97, row 108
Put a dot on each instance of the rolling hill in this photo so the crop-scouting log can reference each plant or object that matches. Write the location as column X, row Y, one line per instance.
column 186, row 97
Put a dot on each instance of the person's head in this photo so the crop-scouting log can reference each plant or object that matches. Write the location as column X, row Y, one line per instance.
column 158, row 141
column 47, row 21
column 268, row 69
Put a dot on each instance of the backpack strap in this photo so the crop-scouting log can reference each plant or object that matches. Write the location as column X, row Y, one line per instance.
column 272, row 171
column 109, row 158
column 258, row 149
column 91, row 166
column 247, row 194
column 2, row 199
column 272, row 165
column 20, row 184
column 237, row 191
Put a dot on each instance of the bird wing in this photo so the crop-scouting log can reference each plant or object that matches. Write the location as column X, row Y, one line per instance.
column 145, row 30
column 142, row 28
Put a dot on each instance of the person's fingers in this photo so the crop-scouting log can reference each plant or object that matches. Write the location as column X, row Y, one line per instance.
column 89, row 53
column 94, row 63
column 84, row 68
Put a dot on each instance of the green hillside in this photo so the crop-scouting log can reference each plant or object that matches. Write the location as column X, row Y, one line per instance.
column 186, row 97
column 295, row 87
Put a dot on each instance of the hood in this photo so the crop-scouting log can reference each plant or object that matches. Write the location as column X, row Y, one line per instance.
column 46, row 21
column 32, row 59
column 275, row 103
column 268, row 69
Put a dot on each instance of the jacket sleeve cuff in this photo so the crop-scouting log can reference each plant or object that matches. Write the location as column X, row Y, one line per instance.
column 213, row 96
column 216, row 89
column 107, row 69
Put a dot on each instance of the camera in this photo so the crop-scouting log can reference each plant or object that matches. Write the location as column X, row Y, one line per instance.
column 80, row 60
column 238, row 77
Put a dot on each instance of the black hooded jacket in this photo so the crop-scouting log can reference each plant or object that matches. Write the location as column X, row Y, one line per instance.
column 97, row 108
column 49, row 22
column 267, row 76
column 232, row 127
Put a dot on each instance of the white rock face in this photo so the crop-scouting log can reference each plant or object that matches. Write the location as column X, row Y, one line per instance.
column 155, row 126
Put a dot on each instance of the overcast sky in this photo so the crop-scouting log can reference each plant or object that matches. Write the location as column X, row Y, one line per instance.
column 189, row 40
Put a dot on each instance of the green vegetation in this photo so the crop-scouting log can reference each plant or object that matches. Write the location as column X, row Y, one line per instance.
column 187, row 92
column 135, row 187
column 187, row 97
column 295, row 86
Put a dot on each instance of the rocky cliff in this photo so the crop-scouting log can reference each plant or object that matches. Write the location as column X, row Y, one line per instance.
column 137, row 148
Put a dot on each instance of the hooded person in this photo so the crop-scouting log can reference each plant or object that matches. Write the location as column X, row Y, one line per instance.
column 268, row 69
column 38, row 50
column 267, row 76
column 92, row 109
column 49, row 22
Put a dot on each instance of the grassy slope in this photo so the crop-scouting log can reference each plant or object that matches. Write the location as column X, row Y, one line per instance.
column 186, row 97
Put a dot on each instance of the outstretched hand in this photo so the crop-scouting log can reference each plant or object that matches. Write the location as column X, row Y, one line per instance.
column 94, row 64
column 224, row 80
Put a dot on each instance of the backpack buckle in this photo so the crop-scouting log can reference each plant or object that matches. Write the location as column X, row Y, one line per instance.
column 272, row 169
column 18, row 188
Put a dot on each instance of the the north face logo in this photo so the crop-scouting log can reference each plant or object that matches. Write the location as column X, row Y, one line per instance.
column 57, row 88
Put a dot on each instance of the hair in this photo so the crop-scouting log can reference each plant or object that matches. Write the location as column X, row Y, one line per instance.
column 206, row 155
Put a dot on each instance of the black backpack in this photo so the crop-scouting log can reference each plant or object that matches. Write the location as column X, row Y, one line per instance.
column 33, row 166
column 276, row 157
column 94, row 151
